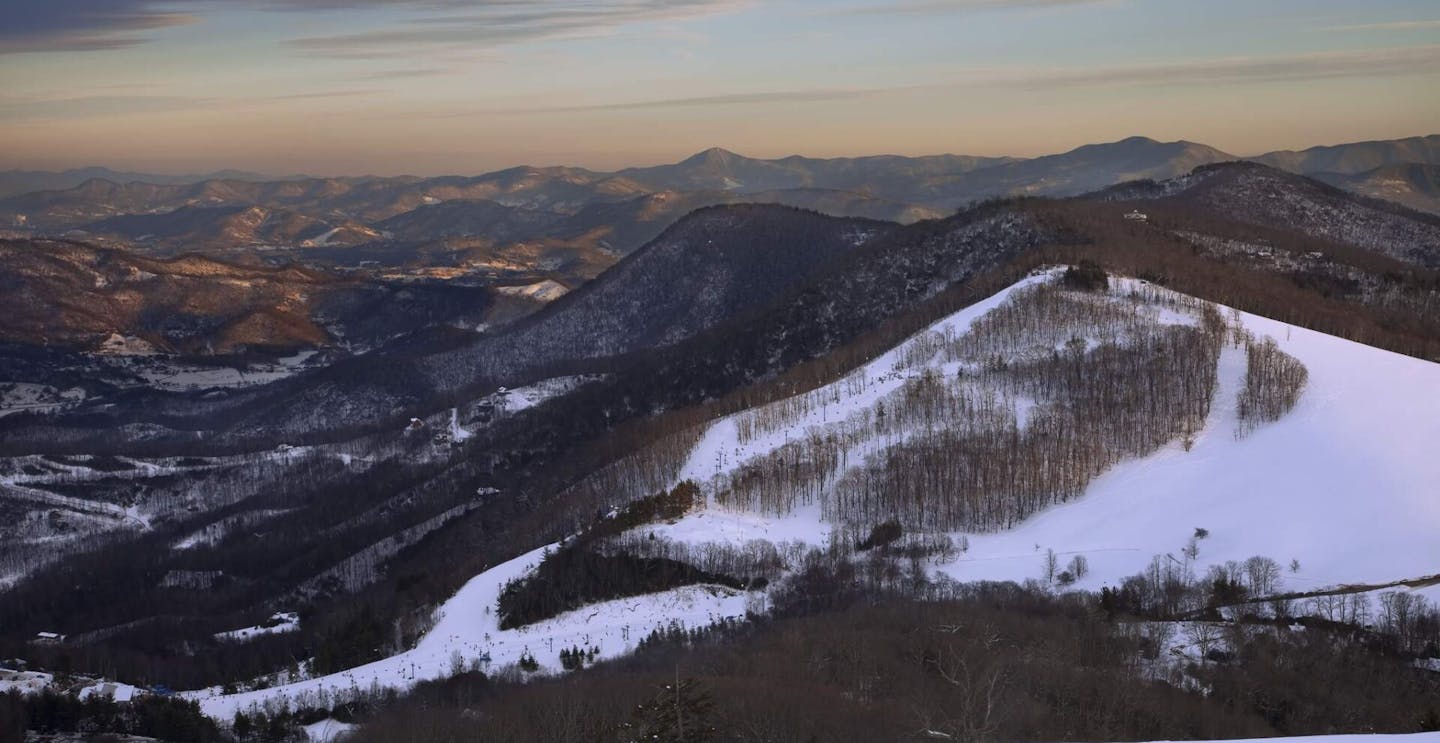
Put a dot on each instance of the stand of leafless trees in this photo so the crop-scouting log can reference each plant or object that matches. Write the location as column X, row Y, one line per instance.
column 1273, row 383
column 1096, row 378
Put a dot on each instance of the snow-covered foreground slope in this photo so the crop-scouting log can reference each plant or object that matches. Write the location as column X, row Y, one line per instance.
column 467, row 632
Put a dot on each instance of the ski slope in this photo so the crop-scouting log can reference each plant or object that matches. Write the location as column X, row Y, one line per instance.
column 1347, row 483
column 467, row 632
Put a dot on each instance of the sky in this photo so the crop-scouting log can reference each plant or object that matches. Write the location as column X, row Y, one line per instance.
column 350, row 87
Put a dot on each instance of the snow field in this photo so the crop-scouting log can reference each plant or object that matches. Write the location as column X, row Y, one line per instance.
column 286, row 621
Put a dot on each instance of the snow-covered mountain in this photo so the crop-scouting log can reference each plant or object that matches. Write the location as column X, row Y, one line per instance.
column 1357, row 448
column 1188, row 434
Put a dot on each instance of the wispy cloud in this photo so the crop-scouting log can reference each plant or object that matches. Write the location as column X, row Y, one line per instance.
column 1217, row 71
column 408, row 74
column 93, row 25
column 81, row 25
column 931, row 7
column 729, row 99
column 1387, row 26
column 1381, row 62
column 321, row 94
column 495, row 24
column 774, row 97
column 90, row 106
column 47, row 108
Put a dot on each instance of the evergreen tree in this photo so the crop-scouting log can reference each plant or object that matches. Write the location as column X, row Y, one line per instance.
column 680, row 712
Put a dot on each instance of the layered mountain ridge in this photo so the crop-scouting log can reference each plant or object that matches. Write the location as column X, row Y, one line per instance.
column 917, row 187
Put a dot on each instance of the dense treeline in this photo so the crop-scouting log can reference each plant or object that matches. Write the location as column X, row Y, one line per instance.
column 1399, row 621
column 1280, row 677
column 576, row 574
column 357, row 640
column 149, row 716
column 757, row 562
column 992, row 663
column 572, row 578
column 663, row 506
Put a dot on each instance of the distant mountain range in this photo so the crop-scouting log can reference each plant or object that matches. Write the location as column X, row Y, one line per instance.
column 13, row 182
column 1416, row 185
column 525, row 218
column 885, row 176
column 933, row 180
column 1356, row 157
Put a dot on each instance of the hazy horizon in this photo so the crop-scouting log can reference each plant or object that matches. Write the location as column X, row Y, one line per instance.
column 427, row 87
column 670, row 161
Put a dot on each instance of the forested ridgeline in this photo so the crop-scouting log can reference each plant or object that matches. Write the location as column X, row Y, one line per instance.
column 1271, row 270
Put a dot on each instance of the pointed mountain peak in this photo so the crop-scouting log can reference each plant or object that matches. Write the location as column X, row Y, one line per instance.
column 712, row 156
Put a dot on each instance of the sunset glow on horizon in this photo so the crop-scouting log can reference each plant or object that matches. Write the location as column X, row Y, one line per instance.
column 349, row 87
